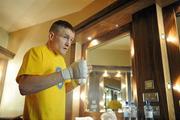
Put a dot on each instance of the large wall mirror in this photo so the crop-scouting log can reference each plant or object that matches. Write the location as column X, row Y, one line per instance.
column 109, row 84
column 178, row 23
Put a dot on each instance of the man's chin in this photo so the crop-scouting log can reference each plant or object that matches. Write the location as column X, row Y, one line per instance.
column 63, row 53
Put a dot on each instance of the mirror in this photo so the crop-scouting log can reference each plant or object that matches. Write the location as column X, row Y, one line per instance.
column 109, row 83
column 178, row 24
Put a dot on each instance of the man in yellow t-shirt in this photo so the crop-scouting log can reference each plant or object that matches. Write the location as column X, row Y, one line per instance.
column 43, row 75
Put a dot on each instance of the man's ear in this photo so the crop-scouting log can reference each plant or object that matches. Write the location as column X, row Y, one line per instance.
column 51, row 35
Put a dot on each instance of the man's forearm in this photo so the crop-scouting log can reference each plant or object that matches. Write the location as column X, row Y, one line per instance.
column 29, row 84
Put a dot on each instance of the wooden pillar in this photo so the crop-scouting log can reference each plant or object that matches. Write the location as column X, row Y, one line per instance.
column 173, row 49
column 147, row 61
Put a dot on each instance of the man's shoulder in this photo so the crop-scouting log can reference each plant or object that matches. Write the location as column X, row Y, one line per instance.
column 37, row 50
column 40, row 47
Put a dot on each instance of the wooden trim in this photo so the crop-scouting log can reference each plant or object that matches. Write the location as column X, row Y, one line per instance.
column 109, row 68
column 3, row 63
column 5, row 53
column 103, row 38
column 169, row 15
column 106, row 37
column 106, row 12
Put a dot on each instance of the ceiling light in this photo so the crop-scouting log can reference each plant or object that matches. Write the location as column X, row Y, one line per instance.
column 94, row 42
column 117, row 25
column 89, row 38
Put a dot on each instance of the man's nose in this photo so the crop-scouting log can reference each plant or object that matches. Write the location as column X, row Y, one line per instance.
column 68, row 43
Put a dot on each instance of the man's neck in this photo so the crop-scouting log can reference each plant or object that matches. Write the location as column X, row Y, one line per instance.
column 51, row 48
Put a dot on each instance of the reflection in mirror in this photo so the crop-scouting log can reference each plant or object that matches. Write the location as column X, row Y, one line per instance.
column 109, row 84
column 178, row 25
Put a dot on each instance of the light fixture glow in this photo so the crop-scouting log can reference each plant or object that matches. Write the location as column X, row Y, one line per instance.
column 132, row 50
column 123, row 86
column 89, row 38
column 83, row 96
column 176, row 87
column 94, row 43
column 101, row 84
column 162, row 35
column 171, row 39
column 169, row 85
column 101, row 103
column 118, row 75
column 105, row 74
column 131, row 74
column 76, row 94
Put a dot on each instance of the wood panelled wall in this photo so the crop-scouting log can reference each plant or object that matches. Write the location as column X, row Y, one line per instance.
column 147, row 62
column 169, row 14
column 69, row 95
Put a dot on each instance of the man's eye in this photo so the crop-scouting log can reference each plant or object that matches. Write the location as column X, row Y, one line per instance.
column 72, row 40
column 66, row 37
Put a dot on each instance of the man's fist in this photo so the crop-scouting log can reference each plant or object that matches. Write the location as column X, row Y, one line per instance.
column 78, row 71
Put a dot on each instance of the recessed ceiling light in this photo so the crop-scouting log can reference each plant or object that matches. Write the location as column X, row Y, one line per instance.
column 89, row 38
column 117, row 25
column 94, row 42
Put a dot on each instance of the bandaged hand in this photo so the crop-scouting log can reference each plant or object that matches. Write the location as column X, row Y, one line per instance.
column 77, row 71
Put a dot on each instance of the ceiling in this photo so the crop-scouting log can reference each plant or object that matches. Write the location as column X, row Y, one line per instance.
column 120, row 18
column 18, row 14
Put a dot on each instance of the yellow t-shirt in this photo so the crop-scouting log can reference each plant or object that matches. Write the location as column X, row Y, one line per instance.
column 48, row 104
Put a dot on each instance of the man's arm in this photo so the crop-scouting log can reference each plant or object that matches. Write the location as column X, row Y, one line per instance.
column 29, row 84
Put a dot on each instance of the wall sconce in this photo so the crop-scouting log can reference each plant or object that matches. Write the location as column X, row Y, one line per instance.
column 118, row 75
column 169, row 86
column 175, row 87
column 105, row 74
column 171, row 39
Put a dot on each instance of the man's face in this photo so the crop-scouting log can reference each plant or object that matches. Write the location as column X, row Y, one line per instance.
column 62, row 40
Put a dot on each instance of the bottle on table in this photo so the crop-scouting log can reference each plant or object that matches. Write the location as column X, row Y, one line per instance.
column 133, row 109
column 126, row 111
column 148, row 111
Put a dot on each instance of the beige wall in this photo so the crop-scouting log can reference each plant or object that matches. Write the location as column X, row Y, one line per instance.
column 20, row 41
column 109, row 57
column 4, row 38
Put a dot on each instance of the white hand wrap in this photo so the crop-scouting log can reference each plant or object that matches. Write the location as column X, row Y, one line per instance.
column 78, row 71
